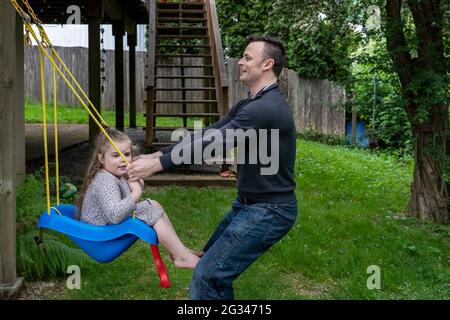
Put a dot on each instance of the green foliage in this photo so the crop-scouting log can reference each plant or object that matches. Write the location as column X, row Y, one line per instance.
column 48, row 260
column 59, row 253
column 30, row 203
column 319, row 37
column 239, row 19
column 329, row 139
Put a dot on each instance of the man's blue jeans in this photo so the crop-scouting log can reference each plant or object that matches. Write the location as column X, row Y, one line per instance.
column 246, row 233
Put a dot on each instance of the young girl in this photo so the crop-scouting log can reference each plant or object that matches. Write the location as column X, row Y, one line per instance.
column 106, row 197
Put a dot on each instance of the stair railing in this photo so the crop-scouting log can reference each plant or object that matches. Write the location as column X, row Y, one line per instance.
column 221, row 77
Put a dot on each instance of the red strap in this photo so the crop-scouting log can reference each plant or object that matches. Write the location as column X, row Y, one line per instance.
column 162, row 270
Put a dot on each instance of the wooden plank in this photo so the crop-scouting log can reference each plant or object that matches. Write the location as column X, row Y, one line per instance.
column 20, row 104
column 150, row 66
column 218, row 42
column 119, row 32
column 132, row 78
column 149, row 120
column 8, row 101
column 218, row 58
column 117, row 11
column 197, row 180
column 94, row 73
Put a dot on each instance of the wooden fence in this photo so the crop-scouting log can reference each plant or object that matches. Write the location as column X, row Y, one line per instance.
column 316, row 104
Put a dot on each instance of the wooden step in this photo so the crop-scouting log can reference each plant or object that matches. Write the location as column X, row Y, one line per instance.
column 181, row 30
column 184, row 77
column 193, row 180
column 180, row 19
column 186, row 115
column 184, row 5
column 182, row 11
column 206, row 55
column 185, row 101
column 171, row 13
column 171, row 128
column 183, row 66
column 185, row 89
column 181, row 36
column 183, row 46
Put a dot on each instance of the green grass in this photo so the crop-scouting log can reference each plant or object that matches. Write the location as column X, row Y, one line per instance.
column 78, row 115
column 350, row 205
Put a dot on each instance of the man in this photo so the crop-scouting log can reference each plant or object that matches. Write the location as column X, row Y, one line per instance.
column 266, row 206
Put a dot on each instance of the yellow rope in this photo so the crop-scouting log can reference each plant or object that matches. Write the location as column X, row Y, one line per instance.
column 43, row 45
column 46, row 41
column 55, row 120
column 30, row 29
column 44, row 120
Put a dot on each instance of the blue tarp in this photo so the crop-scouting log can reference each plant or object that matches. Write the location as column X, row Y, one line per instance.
column 361, row 134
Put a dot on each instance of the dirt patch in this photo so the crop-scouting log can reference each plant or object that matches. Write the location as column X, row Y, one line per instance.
column 41, row 290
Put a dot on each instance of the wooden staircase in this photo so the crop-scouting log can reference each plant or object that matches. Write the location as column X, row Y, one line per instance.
column 185, row 74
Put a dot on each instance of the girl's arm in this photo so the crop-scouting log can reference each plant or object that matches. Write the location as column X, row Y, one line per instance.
column 109, row 198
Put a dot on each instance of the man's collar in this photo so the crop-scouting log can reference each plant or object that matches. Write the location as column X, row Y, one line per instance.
column 260, row 92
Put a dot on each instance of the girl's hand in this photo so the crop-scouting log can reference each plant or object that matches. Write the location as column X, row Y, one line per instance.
column 136, row 190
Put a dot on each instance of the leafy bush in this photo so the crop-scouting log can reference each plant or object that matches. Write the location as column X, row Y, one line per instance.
column 329, row 139
column 55, row 255
column 48, row 260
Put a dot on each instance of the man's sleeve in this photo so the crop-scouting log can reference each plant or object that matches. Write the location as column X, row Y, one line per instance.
column 217, row 125
column 255, row 116
column 167, row 160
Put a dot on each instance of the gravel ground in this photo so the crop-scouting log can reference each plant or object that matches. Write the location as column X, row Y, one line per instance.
column 40, row 290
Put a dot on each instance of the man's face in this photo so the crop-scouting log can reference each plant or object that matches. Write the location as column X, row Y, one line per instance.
column 252, row 64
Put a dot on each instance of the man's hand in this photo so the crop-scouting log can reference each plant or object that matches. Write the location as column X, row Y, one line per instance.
column 156, row 154
column 143, row 168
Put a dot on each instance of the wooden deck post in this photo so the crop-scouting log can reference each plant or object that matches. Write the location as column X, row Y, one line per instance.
column 10, row 96
column 119, row 32
column 132, row 77
column 94, row 19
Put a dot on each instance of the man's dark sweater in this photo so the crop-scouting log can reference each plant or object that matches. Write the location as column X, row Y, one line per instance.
column 267, row 110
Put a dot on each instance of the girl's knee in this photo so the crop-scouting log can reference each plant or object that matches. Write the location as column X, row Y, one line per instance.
column 156, row 204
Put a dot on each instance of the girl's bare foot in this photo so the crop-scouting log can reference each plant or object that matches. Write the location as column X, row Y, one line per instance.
column 188, row 261
column 197, row 253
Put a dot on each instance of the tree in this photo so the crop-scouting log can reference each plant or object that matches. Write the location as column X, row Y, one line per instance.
column 322, row 37
column 422, row 70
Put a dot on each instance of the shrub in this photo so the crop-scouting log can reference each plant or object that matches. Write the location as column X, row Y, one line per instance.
column 329, row 139
column 55, row 255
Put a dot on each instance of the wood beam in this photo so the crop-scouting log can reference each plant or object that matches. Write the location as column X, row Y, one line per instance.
column 115, row 10
column 20, row 103
column 9, row 91
column 132, row 76
column 95, row 13
column 119, row 32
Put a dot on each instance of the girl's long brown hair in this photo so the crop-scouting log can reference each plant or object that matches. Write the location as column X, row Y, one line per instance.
column 101, row 144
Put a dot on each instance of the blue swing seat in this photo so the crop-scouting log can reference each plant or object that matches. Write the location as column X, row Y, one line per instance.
column 102, row 243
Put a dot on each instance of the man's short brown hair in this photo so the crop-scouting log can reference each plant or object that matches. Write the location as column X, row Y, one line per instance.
column 273, row 49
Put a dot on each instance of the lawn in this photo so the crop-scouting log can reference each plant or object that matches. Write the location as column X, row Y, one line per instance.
column 350, row 218
column 78, row 115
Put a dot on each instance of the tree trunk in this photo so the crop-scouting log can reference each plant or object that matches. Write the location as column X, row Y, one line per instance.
column 428, row 191
column 424, row 86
